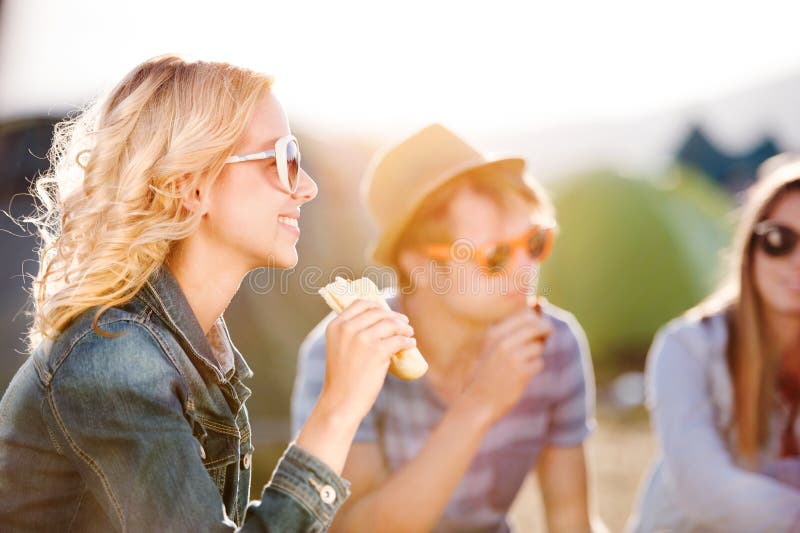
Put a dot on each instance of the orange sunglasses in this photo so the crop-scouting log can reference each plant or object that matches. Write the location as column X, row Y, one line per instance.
column 537, row 241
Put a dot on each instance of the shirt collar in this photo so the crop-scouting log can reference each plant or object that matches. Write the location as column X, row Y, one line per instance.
column 165, row 296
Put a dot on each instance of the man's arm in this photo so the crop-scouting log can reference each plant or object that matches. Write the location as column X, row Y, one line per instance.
column 561, row 467
column 564, row 486
column 415, row 496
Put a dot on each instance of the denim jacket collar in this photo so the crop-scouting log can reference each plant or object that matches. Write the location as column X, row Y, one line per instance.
column 165, row 296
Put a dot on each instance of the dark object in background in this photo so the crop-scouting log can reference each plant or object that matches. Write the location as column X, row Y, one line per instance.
column 23, row 155
column 23, row 152
column 733, row 172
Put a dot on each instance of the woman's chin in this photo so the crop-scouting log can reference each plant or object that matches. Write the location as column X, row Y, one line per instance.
column 287, row 259
column 786, row 304
column 281, row 259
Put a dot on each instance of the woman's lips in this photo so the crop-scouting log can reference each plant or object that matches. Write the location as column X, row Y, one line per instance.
column 290, row 223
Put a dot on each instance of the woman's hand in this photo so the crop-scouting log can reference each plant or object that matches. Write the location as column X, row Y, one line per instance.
column 360, row 343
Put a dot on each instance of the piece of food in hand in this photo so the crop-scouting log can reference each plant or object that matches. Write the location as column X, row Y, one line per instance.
column 535, row 304
column 407, row 364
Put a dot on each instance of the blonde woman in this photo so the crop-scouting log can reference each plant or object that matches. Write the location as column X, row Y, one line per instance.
column 129, row 413
column 724, row 383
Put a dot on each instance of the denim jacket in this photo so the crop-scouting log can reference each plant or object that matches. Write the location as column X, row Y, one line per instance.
column 144, row 432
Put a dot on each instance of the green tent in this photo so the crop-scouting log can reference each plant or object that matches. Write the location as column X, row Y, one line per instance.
column 633, row 253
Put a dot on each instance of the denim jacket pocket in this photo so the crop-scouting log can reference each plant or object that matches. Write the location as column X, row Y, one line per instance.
column 217, row 447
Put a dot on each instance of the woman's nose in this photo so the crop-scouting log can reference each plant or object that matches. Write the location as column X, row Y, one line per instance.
column 307, row 188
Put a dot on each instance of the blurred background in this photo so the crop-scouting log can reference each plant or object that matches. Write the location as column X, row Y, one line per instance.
column 643, row 120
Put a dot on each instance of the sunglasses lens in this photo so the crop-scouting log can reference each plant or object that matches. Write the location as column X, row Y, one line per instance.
column 292, row 164
column 497, row 257
column 537, row 243
column 778, row 240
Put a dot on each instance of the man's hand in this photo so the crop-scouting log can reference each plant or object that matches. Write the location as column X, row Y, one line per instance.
column 510, row 357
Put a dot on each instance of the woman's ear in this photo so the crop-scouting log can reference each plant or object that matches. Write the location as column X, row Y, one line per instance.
column 192, row 201
column 194, row 198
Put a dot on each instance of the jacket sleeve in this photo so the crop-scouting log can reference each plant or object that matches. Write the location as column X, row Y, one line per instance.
column 116, row 408
column 711, row 489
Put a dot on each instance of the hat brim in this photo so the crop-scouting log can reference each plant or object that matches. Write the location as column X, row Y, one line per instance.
column 382, row 250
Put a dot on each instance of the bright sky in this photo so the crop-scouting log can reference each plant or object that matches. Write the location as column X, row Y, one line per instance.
column 380, row 65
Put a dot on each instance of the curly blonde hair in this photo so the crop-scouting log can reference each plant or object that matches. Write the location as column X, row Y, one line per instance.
column 110, row 207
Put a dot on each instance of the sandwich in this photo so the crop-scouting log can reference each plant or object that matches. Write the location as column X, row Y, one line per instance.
column 406, row 364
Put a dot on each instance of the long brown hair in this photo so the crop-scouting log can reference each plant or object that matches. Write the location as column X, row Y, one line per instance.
column 752, row 360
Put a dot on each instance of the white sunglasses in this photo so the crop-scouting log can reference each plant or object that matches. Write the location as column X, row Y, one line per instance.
column 287, row 159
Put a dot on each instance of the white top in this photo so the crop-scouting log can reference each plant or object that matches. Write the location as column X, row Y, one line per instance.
column 695, row 484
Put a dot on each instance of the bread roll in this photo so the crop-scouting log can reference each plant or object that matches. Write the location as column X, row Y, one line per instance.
column 407, row 364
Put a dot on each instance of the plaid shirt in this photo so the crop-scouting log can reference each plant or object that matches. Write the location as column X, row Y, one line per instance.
column 556, row 409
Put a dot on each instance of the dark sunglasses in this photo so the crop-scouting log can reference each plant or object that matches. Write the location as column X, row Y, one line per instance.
column 775, row 239
column 537, row 242
column 287, row 159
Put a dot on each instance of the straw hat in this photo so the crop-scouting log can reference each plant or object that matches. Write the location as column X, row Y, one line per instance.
column 402, row 176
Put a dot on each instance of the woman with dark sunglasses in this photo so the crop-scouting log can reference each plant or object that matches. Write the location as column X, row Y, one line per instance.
column 509, row 391
column 724, row 383
column 129, row 414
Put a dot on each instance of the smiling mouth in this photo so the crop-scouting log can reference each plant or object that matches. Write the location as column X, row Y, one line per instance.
column 289, row 221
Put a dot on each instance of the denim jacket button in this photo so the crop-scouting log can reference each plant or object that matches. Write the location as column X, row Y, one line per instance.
column 246, row 460
column 327, row 494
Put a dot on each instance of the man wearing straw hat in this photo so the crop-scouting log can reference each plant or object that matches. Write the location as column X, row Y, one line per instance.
column 510, row 386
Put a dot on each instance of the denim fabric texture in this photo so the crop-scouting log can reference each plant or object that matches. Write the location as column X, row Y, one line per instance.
column 144, row 432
